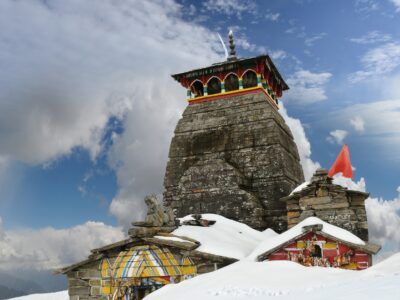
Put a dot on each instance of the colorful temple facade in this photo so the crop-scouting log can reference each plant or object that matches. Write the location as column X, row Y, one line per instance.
column 313, row 246
column 149, row 259
column 234, row 76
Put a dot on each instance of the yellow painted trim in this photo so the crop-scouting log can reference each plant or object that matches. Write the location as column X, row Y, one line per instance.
column 234, row 92
column 226, row 93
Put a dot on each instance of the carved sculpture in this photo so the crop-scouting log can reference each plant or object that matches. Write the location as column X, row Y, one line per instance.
column 157, row 214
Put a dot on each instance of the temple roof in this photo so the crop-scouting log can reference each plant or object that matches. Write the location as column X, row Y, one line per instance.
column 312, row 224
column 232, row 65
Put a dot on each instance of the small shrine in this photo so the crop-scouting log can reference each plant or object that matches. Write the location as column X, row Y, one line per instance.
column 151, row 257
column 314, row 242
column 329, row 201
column 234, row 76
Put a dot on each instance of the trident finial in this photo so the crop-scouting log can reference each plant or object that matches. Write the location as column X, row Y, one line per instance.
column 232, row 54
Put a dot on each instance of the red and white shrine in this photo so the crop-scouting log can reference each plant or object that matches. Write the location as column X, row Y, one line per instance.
column 314, row 242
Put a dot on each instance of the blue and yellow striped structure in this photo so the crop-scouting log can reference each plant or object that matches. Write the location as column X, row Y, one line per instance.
column 147, row 264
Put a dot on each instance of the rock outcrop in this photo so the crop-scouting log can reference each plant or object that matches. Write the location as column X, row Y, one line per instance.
column 235, row 157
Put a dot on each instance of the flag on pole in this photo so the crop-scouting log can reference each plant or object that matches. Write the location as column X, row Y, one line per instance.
column 342, row 164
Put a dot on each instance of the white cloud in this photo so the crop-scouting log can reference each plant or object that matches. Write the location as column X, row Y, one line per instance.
column 272, row 16
column 307, row 87
column 337, row 136
column 230, row 7
column 378, row 61
column 372, row 37
column 85, row 65
column 303, row 145
column 49, row 248
column 358, row 124
column 311, row 40
column 381, row 126
column 384, row 223
column 397, row 4
column 365, row 7
column 278, row 54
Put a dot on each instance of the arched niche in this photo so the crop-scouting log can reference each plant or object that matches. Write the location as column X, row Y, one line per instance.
column 249, row 79
column 214, row 86
column 197, row 89
column 231, row 82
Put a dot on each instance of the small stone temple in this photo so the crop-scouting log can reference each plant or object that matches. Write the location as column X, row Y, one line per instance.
column 151, row 257
column 232, row 153
column 330, row 202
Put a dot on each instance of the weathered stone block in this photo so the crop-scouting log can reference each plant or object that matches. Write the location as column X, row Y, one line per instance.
column 293, row 214
column 95, row 282
column 77, row 282
column 88, row 274
column 79, row 291
column 95, row 291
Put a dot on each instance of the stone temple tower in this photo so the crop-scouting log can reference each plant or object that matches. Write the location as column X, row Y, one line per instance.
column 232, row 153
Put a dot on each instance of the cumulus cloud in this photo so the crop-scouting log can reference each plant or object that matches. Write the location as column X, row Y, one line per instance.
column 307, row 87
column 86, row 65
column 383, row 223
column 372, row 37
column 50, row 248
column 303, row 145
column 397, row 4
column 378, row 61
column 337, row 136
column 358, row 124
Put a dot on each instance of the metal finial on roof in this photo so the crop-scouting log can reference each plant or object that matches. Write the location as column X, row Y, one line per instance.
column 232, row 53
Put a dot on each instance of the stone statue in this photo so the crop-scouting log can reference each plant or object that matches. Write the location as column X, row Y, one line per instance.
column 157, row 214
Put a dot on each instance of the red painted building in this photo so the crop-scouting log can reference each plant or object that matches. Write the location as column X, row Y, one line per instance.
column 314, row 246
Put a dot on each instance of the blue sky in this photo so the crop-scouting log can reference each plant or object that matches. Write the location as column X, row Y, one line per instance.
column 87, row 106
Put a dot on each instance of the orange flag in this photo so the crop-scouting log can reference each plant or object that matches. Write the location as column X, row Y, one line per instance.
column 342, row 164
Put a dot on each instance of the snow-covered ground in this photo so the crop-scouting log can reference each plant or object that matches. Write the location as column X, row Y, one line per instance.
column 284, row 280
column 63, row 295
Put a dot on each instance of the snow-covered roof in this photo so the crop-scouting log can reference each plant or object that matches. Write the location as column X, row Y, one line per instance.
column 338, row 179
column 224, row 238
column 297, row 230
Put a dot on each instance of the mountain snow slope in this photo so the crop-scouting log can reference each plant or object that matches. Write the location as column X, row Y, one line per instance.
column 287, row 280
column 63, row 295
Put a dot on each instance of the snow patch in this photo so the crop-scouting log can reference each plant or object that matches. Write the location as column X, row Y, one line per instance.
column 339, row 180
column 226, row 237
column 349, row 183
column 172, row 238
column 63, row 295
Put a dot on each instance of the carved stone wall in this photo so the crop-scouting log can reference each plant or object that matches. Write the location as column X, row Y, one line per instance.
column 235, row 157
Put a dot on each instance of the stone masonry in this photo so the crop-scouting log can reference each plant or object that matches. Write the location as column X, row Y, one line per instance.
column 236, row 157
column 331, row 203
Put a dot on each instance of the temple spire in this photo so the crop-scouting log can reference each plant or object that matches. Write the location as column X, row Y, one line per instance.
column 232, row 54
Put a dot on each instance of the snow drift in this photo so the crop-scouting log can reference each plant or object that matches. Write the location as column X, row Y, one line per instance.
column 264, row 280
